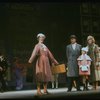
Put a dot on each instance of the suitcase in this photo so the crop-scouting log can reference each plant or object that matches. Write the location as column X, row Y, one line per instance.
column 61, row 68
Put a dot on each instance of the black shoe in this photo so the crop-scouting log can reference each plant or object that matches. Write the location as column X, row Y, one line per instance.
column 79, row 90
column 84, row 89
column 68, row 90
column 87, row 89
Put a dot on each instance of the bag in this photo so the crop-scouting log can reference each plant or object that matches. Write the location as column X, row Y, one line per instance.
column 58, row 69
column 84, row 68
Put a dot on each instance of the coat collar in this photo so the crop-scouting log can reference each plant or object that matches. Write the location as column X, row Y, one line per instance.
column 75, row 47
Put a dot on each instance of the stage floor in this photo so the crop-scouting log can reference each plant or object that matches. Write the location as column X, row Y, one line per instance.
column 54, row 93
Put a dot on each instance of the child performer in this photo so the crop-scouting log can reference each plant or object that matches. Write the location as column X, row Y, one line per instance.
column 84, row 62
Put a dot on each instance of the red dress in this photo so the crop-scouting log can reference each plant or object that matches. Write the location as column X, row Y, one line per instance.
column 84, row 60
column 44, row 56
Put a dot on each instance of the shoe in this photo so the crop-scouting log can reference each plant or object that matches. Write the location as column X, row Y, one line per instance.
column 39, row 93
column 46, row 92
column 87, row 89
column 68, row 90
column 79, row 90
column 84, row 89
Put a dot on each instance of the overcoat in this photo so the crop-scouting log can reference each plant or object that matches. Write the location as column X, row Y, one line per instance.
column 44, row 57
column 72, row 64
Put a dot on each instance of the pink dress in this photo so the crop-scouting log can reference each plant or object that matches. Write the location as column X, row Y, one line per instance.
column 44, row 57
column 84, row 60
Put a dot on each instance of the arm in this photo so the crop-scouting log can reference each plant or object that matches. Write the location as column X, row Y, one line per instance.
column 34, row 54
column 53, row 60
column 67, row 52
column 88, row 63
column 79, row 60
column 1, row 68
column 97, row 53
column 5, row 64
column 80, row 48
column 79, row 63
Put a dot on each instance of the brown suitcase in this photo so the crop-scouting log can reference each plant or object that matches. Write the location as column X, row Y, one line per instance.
column 61, row 68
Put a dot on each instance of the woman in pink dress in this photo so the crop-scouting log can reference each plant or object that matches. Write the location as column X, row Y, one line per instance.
column 43, row 70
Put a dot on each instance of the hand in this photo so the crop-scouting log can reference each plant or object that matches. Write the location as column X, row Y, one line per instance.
column 80, row 66
column 29, row 62
column 57, row 63
column 1, row 68
column 67, row 68
column 53, row 64
column 96, row 64
column 87, row 66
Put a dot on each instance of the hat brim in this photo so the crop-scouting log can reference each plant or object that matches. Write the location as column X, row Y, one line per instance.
column 73, row 37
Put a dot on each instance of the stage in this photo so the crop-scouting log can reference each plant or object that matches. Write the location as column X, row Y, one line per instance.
column 54, row 93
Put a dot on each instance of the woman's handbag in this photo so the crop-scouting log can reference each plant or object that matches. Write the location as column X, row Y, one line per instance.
column 61, row 68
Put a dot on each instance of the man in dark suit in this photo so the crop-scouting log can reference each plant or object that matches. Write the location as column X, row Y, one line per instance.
column 73, row 52
column 3, row 68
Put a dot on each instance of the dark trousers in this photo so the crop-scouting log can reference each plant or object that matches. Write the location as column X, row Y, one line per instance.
column 70, row 83
column 3, row 82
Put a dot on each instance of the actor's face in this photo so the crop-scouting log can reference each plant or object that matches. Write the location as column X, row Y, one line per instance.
column 83, row 52
column 73, row 40
column 41, row 39
column 90, row 41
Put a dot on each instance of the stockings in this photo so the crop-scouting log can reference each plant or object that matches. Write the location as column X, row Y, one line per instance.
column 86, row 85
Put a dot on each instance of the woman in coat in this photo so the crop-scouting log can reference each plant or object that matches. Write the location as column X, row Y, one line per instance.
column 98, row 68
column 93, row 53
column 44, row 57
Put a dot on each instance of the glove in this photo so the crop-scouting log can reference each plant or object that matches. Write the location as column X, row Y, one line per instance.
column 88, row 66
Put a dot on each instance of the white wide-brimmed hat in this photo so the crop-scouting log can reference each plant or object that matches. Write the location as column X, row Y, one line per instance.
column 41, row 35
column 85, row 49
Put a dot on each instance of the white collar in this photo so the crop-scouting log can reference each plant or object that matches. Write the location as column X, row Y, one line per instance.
column 82, row 57
column 74, row 43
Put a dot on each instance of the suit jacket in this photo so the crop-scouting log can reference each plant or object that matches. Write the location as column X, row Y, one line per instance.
column 72, row 55
column 3, row 64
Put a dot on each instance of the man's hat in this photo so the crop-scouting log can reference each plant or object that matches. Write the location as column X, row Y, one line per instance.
column 73, row 36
